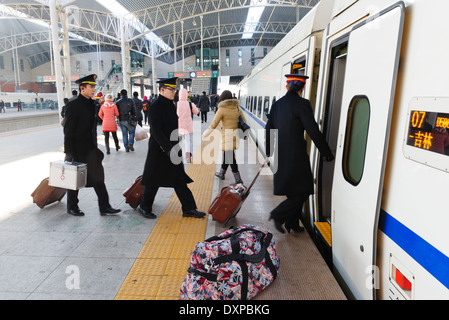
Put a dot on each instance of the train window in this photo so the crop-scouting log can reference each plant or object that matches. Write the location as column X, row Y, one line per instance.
column 299, row 66
column 356, row 139
column 252, row 104
column 266, row 107
column 259, row 107
column 253, row 108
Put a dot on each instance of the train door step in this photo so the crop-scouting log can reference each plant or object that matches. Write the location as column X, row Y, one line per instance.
column 324, row 229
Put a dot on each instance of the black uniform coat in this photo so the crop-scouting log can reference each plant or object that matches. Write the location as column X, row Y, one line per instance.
column 80, row 137
column 159, row 168
column 291, row 115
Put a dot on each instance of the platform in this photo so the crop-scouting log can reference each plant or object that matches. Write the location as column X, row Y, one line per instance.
column 48, row 254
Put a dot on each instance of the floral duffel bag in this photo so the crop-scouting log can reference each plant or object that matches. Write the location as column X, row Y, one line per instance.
column 234, row 265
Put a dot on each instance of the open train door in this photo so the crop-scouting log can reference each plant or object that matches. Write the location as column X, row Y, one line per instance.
column 367, row 102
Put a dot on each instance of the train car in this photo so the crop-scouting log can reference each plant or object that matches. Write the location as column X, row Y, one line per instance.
column 379, row 82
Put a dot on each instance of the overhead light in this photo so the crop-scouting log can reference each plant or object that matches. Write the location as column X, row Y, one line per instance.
column 121, row 12
column 253, row 17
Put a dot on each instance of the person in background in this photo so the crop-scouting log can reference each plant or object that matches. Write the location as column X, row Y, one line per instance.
column 145, row 106
column 139, row 107
column 228, row 113
column 203, row 105
column 108, row 113
column 185, row 110
column 213, row 101
column 66, row 101
column 74, row 95
column 128, row 114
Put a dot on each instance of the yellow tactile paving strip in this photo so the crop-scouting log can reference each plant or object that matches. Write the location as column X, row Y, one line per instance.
column 325, row 229
column 161, row 266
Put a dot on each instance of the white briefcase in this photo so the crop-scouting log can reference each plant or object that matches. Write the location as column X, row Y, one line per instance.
column 68, row 175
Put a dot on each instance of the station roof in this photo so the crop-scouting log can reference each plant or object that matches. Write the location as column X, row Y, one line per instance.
column 171, row 24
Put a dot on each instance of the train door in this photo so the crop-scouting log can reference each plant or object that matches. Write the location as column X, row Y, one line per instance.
column 331, row 122
column 286, row 69
column 367, row 101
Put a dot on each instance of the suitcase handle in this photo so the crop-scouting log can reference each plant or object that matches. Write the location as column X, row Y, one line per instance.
column 257, row 175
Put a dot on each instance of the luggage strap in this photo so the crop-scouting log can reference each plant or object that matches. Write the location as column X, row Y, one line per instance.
column 207, row 276
column 236, row 256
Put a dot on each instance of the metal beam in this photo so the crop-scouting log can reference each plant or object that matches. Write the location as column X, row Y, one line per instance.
column 165, row 14
column 105, row 27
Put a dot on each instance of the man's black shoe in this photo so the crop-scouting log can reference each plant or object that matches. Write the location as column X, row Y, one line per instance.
column 194, row 214
column 147, row 214
column 109, row 211
column 75, row 212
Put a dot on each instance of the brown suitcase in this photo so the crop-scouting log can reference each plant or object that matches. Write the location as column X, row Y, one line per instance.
column 45, row 194
column 134, row 194
column 228, row 202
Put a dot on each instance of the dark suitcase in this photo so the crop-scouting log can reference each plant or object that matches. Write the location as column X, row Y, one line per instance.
column 134, row 194
column 45, row 194
column 228, row 202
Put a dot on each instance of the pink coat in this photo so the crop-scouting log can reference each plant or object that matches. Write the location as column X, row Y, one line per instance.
column 108, row 112
column 185, row 122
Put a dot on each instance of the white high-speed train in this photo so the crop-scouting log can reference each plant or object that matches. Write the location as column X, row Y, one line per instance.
column 379, row 83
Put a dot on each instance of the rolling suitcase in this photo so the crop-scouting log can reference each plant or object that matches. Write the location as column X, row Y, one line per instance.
column 134, row 193
column 46, row 194
column 228, row 202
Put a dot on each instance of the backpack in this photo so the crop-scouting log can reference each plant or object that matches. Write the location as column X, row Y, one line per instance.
column 234, row 265
column 145, row 105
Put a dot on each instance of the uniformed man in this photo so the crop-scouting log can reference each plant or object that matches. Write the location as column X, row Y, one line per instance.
column 80, row 145
column 164, row 166
column 290, row 116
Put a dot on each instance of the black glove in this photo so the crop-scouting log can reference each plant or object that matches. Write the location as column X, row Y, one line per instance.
column 329, row 157
column 68, row 157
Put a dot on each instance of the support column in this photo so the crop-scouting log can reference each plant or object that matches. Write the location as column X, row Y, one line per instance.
column 219, row 46
column 182, row 46
column 56, row 54
column 202, row 58
column 67, row 79
column 175, row 41
column 142, row 87
column 153, row 67
column 125, row 55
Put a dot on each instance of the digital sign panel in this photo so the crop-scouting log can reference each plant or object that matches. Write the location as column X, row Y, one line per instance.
column 429, row 131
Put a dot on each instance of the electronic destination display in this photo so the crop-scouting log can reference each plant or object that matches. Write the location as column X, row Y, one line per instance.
column 429, row 131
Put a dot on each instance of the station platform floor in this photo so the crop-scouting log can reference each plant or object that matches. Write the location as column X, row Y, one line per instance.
column 47, row 254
